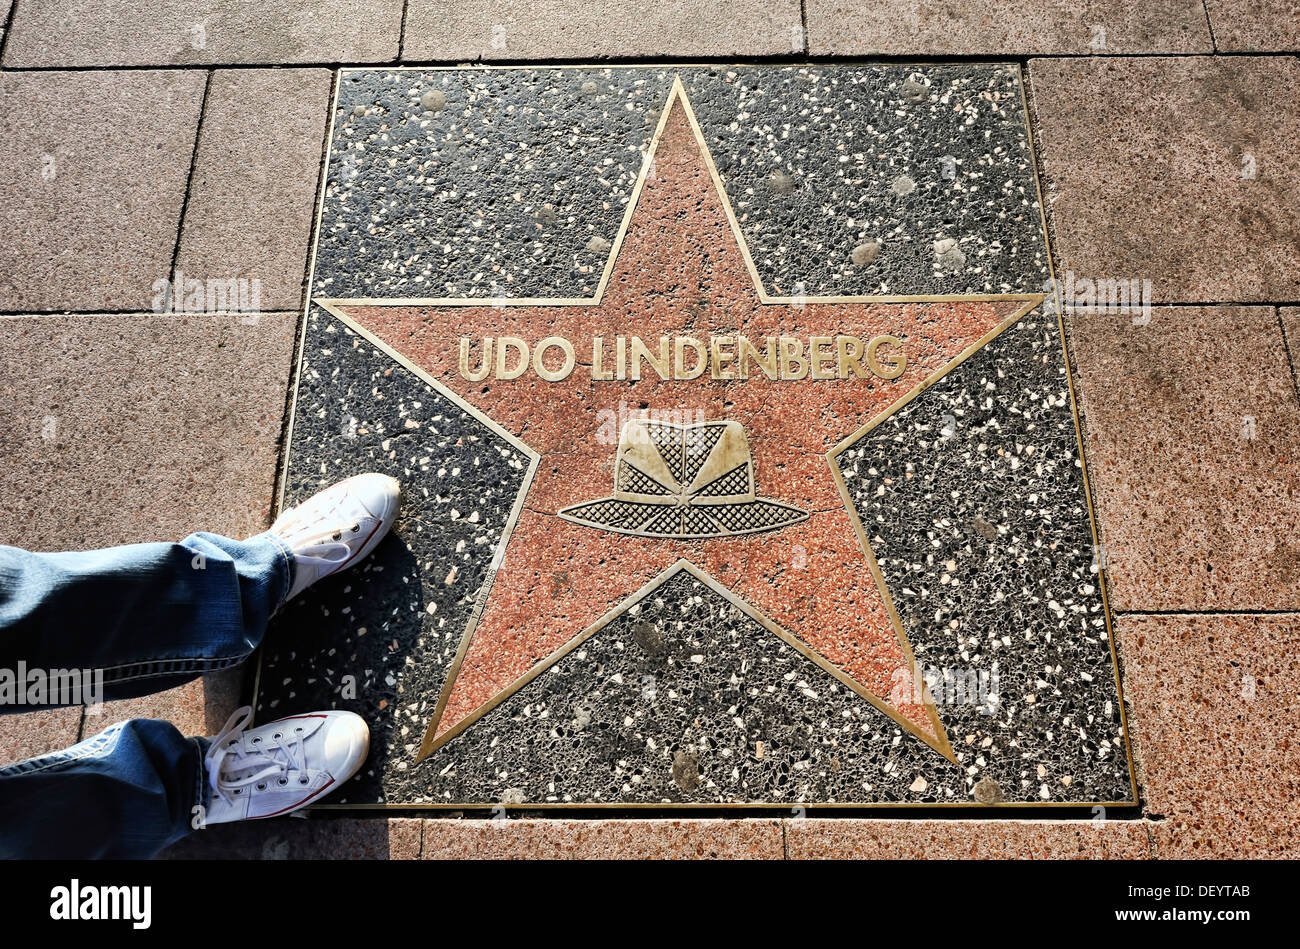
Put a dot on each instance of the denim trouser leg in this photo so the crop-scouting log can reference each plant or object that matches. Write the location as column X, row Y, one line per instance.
column 149, row 617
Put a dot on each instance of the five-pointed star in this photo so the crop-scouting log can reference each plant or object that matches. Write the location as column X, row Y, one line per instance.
column 679, row 266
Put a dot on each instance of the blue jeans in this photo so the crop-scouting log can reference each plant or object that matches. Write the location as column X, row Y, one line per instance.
column 147, row 617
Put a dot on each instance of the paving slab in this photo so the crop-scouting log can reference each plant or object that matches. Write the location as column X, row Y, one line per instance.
column 254, row 189
column 1213, row 707
column 1255, row 26
column 190, row 33
column 1006, row 27
column 650, row 839
column 857, row 839
column 1192, row 428
column 69, row 137
column 491, row 30
column 1179, row 171
column 27, row 734
column 768, row 555
column 295, row 838
column 200, row 707
column 118, row 429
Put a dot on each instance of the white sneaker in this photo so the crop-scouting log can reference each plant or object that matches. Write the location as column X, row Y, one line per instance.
column 336, row 527
column 275, row 769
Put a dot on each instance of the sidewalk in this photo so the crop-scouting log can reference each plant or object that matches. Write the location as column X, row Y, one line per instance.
column 147, row 138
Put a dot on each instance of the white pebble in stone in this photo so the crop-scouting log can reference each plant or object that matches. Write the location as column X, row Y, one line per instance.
column 947, row 254
column 902, row 186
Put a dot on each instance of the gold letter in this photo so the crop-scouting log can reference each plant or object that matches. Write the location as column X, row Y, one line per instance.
column 850, row 349
column 745, row 351
column 570, row 358
column 504, row 343
column 791, row 356
column 821, row 358
column 598, row 371
column 701, row 360
column 722, row 358
column 476, row 375
column 662, row 365
column 896, row 362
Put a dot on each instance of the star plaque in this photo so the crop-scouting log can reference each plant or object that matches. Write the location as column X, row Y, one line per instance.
column 690, row 531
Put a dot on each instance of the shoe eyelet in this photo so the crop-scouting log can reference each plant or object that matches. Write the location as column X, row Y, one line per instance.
column 304, row 780
column 239, row 791
column 283, row 781
column 257, row 740
column 356, row 528
column 298, row 730
column 277, row 736
column 261, row 787
column 338, row 536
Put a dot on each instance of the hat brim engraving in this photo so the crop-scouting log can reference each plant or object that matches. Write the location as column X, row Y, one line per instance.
column 686, row 522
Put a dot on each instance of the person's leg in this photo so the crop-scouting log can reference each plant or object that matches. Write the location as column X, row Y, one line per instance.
column 140, row 786
column 128, row 792
column 148, row 616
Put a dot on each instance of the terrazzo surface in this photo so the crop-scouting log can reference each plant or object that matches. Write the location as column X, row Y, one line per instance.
column 506, row 654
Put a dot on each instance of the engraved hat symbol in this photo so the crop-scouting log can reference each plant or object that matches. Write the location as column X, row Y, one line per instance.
column 683, row 482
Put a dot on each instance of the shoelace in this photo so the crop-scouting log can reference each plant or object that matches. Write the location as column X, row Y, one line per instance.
column 227, row 754
column 320, row 541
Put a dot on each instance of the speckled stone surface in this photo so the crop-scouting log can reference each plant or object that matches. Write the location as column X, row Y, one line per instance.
column 293, row 838
column 1255, row 26
column 1214, row 709
column 1176, row 170
column 200, row 707
column 60, row 196
column 755, row 839
column 496, row 30
column 253, row 195
column 1193, row 433
column 850, row 839
column 1005, row 27
column 517, row 171
column 679, row 695
column 987, row 543
column 27, row 734
column 195, row 33
column 684, row 699
column 92, row 414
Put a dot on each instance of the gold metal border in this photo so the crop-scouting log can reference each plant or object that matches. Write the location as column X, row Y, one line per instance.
column 676, row 89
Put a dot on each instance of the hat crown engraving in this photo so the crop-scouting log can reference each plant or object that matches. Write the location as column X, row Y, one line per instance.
column 678, row 481
column 666, row 463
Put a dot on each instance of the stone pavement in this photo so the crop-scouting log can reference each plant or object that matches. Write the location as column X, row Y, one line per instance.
column 156, row 137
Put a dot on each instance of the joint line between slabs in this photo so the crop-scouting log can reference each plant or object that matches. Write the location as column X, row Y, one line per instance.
column 401, row 34
column 1209, row 25
column 189, row 186
column 1239, row 612
column 1290, row 356
column 8, row 27
column 663, row 59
